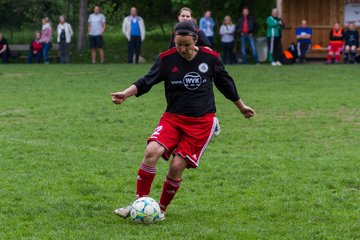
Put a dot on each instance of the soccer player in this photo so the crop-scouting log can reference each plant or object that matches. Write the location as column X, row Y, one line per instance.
column 351, row 43
column 336, row 45
column 186, row 127
column 185, row 14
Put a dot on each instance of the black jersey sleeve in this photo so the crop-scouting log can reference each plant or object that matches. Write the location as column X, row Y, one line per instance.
column 153, row 77
column 172, row 41
column 203, row 41
column 224, row 82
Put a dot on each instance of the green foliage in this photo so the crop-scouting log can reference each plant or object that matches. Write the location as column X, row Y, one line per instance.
column 25, row 14
column 69, row 157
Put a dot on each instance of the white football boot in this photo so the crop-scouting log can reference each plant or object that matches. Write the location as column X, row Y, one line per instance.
column 161, row 216
column 123, row 212
column 217, row 127
column 278, row 63
column 273, row 64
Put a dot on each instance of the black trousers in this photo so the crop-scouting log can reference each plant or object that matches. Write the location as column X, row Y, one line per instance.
column 134, row 45
column 275, row 49
column 302, row 49
column 228, row 55
column 5, row 57
column 64, row 52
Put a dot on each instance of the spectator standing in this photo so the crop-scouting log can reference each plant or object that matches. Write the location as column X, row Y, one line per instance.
column 274, row 25
column 227, row 31
column 351, row 43
column 46, row 37
column 133, row 28
column 96, row 30
column 207, row 25
column 336, row 37
column 185, row 14
column 35, row 49
column 64, row 32
column 4, row 49
column 246, row 27
column 303, row 36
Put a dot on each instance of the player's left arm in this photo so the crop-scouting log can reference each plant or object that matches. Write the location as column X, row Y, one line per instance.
column 224, row 82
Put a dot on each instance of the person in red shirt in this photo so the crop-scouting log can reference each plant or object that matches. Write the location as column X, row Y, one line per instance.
column 336, row 44
column 4, row 49
column 246, row 28
column 188, row 73
column 35, row 49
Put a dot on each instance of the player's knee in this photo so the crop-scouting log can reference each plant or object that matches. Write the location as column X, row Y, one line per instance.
column 154, row 151
column 177, row 167
column 347, row 48
column 353, row 48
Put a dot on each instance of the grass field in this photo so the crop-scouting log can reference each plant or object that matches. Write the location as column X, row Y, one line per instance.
column 69, row 157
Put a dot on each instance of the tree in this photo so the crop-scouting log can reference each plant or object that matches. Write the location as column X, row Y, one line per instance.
column 82, row 25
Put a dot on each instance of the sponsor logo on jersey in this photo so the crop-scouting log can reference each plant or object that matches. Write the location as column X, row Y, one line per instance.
column 192, row 80
column 203, row 67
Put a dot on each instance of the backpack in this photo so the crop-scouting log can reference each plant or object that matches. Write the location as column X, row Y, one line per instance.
column 289, row 55
column 62, row 35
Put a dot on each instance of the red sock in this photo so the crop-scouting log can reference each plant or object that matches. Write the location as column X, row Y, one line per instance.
column 169, row 190
column 337, row 58
column 144, row 180
column 328, row 58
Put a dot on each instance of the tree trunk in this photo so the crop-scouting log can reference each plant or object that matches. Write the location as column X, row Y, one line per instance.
column 82, row 25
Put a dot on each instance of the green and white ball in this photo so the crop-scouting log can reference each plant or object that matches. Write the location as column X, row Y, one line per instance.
column 145, row 210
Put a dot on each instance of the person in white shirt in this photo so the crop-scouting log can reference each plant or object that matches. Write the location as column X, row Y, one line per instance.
column 96, row 30
column 64, row 32
column 133, row 28
column 227, row 30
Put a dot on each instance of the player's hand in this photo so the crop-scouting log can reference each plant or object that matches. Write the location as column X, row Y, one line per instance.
column 118, row 97
column 248, row 112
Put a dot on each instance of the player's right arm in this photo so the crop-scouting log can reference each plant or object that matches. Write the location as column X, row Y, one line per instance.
column 141, row 86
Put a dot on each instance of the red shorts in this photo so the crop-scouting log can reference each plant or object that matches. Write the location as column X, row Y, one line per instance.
column 186, row 136
column 336, row 47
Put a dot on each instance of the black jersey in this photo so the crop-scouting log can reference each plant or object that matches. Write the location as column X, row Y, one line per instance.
column 352, row 38
column 202, row 41
column 189, row 84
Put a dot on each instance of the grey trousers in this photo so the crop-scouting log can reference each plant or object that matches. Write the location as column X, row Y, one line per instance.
column 64, row 52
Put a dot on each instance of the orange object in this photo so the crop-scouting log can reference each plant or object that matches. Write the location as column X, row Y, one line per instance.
column 337, row 33
column 288, row 55
column 316, row 46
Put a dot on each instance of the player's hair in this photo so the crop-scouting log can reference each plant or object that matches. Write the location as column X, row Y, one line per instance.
column 185, row 9
column 245, row 7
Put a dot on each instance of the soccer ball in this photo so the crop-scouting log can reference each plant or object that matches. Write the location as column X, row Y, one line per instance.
column 145, row 210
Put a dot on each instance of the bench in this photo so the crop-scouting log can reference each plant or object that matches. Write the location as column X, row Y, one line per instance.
column 318, row 53
column 23, row 50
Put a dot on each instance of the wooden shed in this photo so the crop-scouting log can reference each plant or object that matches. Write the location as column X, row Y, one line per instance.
column 320, row 15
